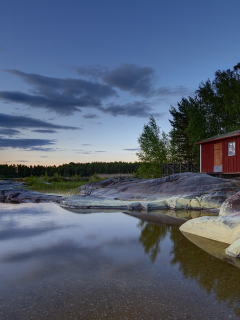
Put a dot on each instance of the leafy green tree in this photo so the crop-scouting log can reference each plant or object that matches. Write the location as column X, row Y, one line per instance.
column 214, row 109
column 154, row 150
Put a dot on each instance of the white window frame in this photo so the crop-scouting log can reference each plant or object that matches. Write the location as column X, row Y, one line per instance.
column 231, row 147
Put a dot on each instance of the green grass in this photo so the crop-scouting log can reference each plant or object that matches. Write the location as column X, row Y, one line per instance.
column 58, row 185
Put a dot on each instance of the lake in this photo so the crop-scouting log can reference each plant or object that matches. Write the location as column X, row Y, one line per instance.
column 57, row 264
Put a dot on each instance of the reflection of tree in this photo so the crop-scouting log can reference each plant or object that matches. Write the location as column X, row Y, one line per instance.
column 211, row 273
column 151, row 236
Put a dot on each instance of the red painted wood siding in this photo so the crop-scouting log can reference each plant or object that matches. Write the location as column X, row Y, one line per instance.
column 230, row 163
column 207, row 154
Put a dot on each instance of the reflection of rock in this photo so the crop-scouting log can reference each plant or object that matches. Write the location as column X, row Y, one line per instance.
column 180, row 191
column 164, row 218
column 169, row 217
column 215, row 248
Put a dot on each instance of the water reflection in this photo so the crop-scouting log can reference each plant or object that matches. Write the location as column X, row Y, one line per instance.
column 214, row 275
column 151, row 236
column 55, row 264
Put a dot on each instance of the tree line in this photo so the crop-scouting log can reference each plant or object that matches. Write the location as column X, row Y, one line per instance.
column 68, row 170
column 214, row 109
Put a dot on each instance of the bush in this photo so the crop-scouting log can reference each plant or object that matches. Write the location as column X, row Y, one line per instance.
column 31, row 180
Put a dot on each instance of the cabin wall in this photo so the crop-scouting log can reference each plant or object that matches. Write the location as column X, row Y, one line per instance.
column 230, row 163
column 207, row 154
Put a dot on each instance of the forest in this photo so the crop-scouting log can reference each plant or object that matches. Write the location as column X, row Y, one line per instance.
column 214, row 110
column 69, row 170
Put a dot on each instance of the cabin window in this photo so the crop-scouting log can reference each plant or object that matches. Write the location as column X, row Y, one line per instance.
column 231, row 148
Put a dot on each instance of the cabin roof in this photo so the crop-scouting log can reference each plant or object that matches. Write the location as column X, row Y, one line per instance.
column 221, row 136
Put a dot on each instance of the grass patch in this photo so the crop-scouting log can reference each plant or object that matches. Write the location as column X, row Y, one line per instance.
column 57, row 184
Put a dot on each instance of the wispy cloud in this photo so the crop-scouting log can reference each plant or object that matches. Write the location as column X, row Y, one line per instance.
column 174, row 91
column 84, row 152
column 22, row 122
column 132, row 78
column 62, row 96
column 92, row 72
column 135, row 109
column 90, row 116
column 134, row 149
column 27, row 144
column 44, row 131
column 129, row 77
column 8, row 132
column 100, row 91
column 89, row 152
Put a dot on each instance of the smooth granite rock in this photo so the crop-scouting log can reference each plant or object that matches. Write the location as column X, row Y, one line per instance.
column 230, row 205
column 14, row 192
column 234, row 249
column 225, row 229
column 180, row 191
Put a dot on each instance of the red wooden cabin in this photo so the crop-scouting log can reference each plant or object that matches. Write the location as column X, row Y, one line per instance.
column 221, row 154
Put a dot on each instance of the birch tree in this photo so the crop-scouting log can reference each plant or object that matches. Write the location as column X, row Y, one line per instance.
column 154, row 146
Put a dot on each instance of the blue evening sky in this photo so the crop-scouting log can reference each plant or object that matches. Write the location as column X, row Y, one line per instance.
column 79, row 79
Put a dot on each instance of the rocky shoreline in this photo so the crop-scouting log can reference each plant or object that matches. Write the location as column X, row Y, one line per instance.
column 15, row 192
column 186, row 191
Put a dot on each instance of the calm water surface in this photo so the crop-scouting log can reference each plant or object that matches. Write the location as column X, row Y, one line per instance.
column 56, row 264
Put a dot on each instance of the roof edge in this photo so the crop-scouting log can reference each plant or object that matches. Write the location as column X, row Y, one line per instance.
column 224, row 136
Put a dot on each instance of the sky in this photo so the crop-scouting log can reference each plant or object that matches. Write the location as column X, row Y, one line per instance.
column 80, row 78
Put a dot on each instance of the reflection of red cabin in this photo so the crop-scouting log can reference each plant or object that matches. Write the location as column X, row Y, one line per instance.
column 221, row 154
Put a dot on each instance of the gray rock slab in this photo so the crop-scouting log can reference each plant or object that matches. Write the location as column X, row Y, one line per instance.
column 234, row 249
column 230, row 205
column 180, row 191
column 153, row 189
column 13, row 192
column 225, row 229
